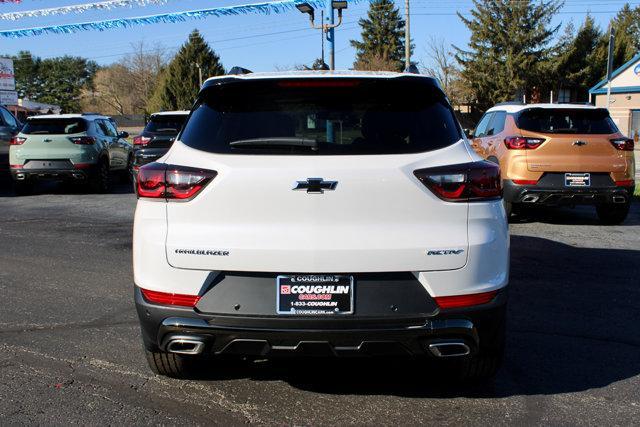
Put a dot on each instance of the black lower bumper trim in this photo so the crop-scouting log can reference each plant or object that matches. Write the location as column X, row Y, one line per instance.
column 271, row 336
column 536, row 195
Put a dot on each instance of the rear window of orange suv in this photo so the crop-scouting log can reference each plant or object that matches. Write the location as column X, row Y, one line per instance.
column 566, row 121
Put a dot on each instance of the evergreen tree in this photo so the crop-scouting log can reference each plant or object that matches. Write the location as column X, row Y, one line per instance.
column 509, row 48
column 573, row 65
column 627, row 42
column 179, row 85
column 382, row 45
column 60, row 81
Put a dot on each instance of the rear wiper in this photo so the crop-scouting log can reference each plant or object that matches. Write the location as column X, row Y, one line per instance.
column 275, row 142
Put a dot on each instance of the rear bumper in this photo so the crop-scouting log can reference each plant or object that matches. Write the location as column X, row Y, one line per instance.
column 52, row 174
column 272, row 336
column 558, row 196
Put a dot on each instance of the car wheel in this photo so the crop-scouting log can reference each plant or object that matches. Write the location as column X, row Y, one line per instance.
column 173, row 365
column 22, row 188
column 613, row 214
column 127, row 174
column 100, row 182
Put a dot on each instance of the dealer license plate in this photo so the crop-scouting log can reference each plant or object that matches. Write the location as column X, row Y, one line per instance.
column 314, row 294
column 577, row 179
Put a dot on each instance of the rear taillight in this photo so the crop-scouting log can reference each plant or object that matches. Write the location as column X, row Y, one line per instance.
column 17, row 140
column 625, row 144
column 522, row 143
column 15, row 166
column 161, row 181
column 625, row 183
column 475, row 181
column 166, row 298
column 459, row 301
column 141, row 140
column 82, row 140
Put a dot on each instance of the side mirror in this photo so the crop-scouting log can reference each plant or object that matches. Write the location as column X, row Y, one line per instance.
column 123, row 135
column 468, row 132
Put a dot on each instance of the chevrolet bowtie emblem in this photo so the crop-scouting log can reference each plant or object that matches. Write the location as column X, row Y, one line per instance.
column 315, row 185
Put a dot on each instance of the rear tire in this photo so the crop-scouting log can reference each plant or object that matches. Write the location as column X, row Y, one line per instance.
column 613, row 214
column 100, row 180
column 484, row 365
column 22, row 188
column 173, row 365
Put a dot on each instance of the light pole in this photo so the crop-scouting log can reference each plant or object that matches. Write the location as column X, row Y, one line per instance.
column 407, row 36
column 327, row 28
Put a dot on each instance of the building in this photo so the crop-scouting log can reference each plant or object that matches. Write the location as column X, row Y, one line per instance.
column 625, row 97
column 25, row 108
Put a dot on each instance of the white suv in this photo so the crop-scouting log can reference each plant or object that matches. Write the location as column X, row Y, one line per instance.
column 321, row 213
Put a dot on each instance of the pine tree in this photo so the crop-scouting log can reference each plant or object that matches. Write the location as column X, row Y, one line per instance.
column 627, row 42
column 573, row 65
column 382, row 45
column 179, row 85
column 508, row 49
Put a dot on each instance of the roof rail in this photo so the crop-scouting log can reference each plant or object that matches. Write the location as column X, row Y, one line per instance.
column 413, row 69
column 89, row 113
column 237, row 71
column 510, row 103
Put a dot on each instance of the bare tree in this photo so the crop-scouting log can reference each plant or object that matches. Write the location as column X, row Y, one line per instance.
column 442, row 64
column 127, row 86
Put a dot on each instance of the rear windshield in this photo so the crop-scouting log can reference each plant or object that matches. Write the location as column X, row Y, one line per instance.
column 166, row 123
column 546, row 120
column 322, row 117
column 54, row 126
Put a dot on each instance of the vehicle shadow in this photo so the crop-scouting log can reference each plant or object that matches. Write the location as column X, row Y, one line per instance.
column 580, row 215
column 572, row 327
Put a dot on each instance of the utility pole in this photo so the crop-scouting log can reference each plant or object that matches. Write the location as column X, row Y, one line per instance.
column 199, row 73
column 612, row 40
column 322, row 36
column 331, row 35
column 407, row 36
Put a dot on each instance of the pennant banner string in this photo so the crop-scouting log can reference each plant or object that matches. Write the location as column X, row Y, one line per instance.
column 77, row 8
column 265, row 8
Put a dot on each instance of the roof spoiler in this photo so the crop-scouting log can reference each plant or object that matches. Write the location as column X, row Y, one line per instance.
column 237, row 71
column 412, row 69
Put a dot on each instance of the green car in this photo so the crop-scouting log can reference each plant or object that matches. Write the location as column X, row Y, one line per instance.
column 74, row 147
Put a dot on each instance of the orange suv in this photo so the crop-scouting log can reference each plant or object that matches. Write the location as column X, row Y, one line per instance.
column 559, row 154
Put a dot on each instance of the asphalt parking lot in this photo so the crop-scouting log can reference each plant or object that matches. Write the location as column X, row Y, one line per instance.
column 70, row 349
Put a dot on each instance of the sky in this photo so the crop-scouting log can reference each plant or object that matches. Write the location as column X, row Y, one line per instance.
column 254, row 41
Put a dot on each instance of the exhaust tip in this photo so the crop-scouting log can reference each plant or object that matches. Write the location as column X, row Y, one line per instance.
column 619, row 199
column 185, row 346
column 449, row 349
column 530, row 198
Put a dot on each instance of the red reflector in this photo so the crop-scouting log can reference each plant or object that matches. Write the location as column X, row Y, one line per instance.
column 625, row 183
column 319, row 83
column 458, row 301
column 475, row 181
column 169, row 298
column 525, row 181
column 16, row 140
column 82, row 165
column 15, row 166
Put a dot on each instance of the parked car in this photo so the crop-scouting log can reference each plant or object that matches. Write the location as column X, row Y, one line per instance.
column 559, row 154
column 157, row 137
column 77, row 147
column 324, row 214
column 9, row 125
